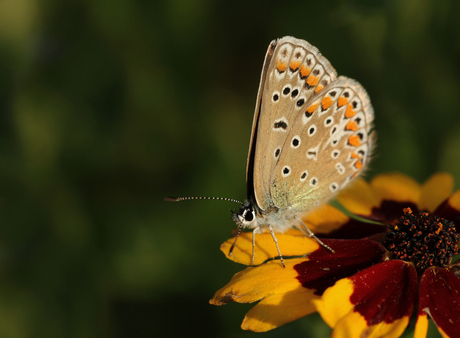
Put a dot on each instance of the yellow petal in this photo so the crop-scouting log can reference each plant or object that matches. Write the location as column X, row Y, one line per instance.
column 396, row 187
column 276, row 310
column 335, row 302
column 282, row 297
column 338, row 312
column 443, row 334
column 265, row 248
column 354, row 325
column 375, row 302
column 325, row 219
column 454, row 200
column 435, row 190
column 359, row 198
column 421, row 327
column 344, row 329
column 255, row 283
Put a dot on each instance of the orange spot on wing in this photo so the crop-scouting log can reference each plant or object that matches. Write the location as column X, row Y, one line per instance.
column 281, row 66
column 319, row 88
column 304, row 71
column 352, row 126
column 295, row 64
column 349, row 112
column 312, row 108
column 354, row 155
column 354, row 140
column 341, row 101
column 312, row 80
column 326, row 103
column 359, row 164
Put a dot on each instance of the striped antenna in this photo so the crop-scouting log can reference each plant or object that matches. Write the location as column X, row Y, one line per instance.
column 238, row 233
column 177, row 199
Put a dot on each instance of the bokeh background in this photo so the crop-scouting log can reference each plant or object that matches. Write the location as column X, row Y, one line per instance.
column 106, row 106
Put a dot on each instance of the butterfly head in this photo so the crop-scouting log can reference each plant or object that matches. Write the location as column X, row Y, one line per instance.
column 245, row 216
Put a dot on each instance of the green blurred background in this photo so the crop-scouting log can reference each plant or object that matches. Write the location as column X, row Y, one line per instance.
column 108, row 106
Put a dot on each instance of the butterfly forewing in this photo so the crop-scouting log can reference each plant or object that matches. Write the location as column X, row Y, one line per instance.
column 294, row 74
column 328, row 145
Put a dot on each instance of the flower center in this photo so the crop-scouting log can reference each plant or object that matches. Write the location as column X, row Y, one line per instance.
column 425, row 240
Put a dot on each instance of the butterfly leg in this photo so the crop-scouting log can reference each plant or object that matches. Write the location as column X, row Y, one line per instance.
column 276, row 243
column 256, row 231
column 312, row 235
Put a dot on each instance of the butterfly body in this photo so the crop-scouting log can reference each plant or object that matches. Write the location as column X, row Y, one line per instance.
column 251, row 218
column 312, row 134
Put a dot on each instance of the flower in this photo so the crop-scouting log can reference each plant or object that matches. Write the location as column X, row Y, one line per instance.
column 380, row 276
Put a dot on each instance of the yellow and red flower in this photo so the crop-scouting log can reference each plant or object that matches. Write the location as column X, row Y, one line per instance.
column 379, row 274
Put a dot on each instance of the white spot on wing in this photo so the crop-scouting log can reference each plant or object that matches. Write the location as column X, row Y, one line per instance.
column 304, row 176
column 286, row 171
column 312, row 153
column 276, row 96
column 334, row 186
column 295, row 143
column 340, row 168
column 328, row 121
column 313, row 181
column 281, row 121
column 286, row 90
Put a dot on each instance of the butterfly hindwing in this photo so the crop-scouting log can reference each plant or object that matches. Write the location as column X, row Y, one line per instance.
column 328, row 145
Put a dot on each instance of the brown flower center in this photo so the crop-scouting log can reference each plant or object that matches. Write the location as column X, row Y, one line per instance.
column 423, row 239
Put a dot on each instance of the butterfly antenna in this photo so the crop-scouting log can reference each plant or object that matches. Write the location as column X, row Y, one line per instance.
column 177, row 199
column 238, row 232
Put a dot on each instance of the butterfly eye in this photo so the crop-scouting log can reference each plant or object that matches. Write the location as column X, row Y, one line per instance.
column 248, row 216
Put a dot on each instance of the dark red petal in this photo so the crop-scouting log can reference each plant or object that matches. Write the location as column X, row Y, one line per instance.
column 355, row 229
column 448, row 211
column 324, row 268
column 390, row 210
column 385, row 292
column 440, row 298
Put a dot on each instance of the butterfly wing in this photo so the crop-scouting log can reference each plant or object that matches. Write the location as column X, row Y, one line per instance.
column 293, row 73
column 329, row 144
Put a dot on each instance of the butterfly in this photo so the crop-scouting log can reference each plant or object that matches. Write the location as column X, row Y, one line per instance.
column 312, row 134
